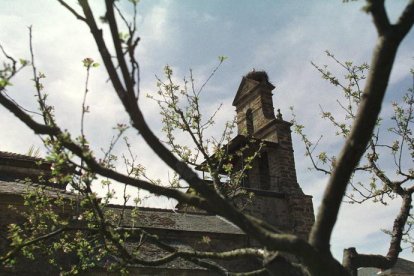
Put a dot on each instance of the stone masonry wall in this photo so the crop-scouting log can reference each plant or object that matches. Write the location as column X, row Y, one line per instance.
column 282, row 160
column 275, row 211
column 301, row 214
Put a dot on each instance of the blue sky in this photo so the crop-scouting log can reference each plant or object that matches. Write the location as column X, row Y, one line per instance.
column 281, row 37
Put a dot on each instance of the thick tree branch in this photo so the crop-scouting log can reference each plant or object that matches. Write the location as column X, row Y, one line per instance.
column 192, row 256
column 226, row 255
column 118, row 49
column 379, row 15
column 277, row 264
column 353, row 260
column 103, row 50
column 406, row 20
column 24, row 117
column 398, row 227
column 381, row 65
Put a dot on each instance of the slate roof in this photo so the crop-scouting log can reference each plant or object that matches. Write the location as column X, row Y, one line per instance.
column 21, row 187
column 18, row 166
column 401, row 268
column 148, row 217
column 181, row 221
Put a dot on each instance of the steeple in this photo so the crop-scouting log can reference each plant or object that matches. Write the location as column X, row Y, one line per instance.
column 278, row 199
column 274, row 170
column 254, row 106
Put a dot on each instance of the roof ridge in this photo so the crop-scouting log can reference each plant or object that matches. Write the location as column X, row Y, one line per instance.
column 19, row 156
column 166, row 210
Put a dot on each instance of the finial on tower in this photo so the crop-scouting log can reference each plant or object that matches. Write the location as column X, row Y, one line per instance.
column 279, row 115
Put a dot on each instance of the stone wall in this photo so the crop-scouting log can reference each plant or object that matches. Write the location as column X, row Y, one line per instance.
column 301, row 214
column 282, row 162
column 273, row 210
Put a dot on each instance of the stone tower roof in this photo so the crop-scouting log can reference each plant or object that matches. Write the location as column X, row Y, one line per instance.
column 260, row 76
column 250, row 82
column 18, row 166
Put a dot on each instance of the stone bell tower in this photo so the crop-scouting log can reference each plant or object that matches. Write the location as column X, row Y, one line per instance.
column 278, row 199
column 254, row 106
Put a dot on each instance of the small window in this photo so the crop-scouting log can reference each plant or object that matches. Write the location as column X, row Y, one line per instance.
column 249, row 122
column 264, row 171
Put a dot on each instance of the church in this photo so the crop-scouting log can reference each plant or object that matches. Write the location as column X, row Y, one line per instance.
column 277, row 197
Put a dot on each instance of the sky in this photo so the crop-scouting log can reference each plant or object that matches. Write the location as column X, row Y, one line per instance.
column 280, row 37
